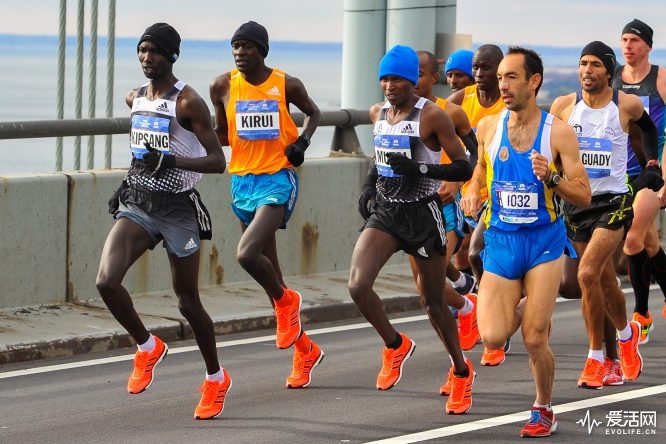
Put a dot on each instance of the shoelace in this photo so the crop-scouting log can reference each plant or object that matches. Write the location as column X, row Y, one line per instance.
column 209, row 391
column 141, row 362
column 458, row 386
column 535, row 417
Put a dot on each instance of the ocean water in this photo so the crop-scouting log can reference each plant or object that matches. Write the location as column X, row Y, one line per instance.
column 29, row 80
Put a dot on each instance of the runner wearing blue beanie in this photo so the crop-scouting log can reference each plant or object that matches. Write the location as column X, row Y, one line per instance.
column 401, row 61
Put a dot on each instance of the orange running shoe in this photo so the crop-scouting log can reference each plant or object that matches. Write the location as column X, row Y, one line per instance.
column 492, row 357
column 592, row 376
column 288, row 320
column 392, row 362
column 144, row 363
column 612, row 372
column 646, row 326
column 460, row 399
column 542, row 423
column 445, row 390
column 663, row 311
column 213, row 394
column 304, row 363
column 630, row 358
column 468, row 331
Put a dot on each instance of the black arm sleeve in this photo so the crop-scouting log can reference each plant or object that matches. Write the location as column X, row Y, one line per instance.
column 457, row 171
column 649, row 136
column 472, row 146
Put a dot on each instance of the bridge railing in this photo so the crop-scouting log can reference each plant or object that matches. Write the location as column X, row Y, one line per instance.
column 344, row 121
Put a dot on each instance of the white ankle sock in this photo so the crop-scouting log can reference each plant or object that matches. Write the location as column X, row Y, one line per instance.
column 218, row 376
column 625, row 334
column 149, row 345
column 597, row 355
column 467, row 308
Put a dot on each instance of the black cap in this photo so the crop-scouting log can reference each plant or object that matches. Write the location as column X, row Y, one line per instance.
column 641, row 29
column 165, row 37
column 604, row 52
column 255, row 33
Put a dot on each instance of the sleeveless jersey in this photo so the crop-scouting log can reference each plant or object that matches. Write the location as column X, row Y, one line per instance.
column 603, row 145
column 403, row 138
column 654, row 105
column 475, row 112
column 155, row 121
column 517, row 198
column 260, row 125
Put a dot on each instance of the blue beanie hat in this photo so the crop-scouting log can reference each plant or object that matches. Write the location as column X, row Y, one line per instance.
column 401, row 61
column 460, row 60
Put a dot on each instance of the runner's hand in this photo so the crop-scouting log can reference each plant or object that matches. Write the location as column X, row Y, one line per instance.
column 156, row 160
column 295, row 152
column 401, row 164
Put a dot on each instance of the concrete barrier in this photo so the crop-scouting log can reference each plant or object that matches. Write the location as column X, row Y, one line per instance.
column 33, row 239
column 54, row 228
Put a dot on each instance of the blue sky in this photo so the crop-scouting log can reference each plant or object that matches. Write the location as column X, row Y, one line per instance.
column 525, row 22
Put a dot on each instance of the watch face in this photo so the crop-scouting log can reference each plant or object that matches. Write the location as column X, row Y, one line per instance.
column 556, row 179
column 423, row 168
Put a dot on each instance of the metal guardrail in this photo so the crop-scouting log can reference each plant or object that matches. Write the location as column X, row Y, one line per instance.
column 344, row 138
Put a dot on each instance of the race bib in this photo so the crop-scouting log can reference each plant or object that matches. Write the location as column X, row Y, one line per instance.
column 518, row 202
column 151, row 129
column 386, row 144
column 596, row 155
column 257, row 119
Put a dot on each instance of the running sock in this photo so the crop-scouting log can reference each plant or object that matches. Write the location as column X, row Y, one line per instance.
column 658, row 264
column 597, row 355
column 548, row 406
column 395, row 344
column 624, row 334
column 217, row 376
column 303, row 343
column 285, row 299
column 467, row 308
column 639, row 273
column 149, row 345
column 462, row 280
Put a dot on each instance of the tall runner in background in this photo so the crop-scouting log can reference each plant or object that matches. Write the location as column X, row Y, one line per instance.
column 642, row 246
column 173, row 143
column 462, row 299
column 480, row 100
column 252, row 116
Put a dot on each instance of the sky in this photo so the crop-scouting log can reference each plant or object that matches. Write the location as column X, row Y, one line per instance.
column 571, row 23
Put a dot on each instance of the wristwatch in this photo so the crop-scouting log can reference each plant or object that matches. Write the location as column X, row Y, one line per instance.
column 423, row 168
column 554, row 180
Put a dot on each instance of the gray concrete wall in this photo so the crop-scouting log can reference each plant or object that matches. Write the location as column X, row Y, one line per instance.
column 33, row 239
column 54, row 228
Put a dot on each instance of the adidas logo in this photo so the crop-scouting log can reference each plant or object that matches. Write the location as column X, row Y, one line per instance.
column 422, row 252
column 272, row 199
column 274, row 91
column 407, row 129
column 190, row 244
column 164, row 107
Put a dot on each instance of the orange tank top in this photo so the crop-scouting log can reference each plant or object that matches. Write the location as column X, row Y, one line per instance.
column 260, row 125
